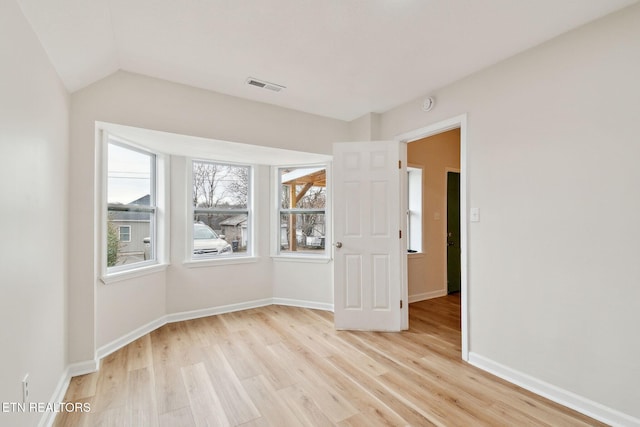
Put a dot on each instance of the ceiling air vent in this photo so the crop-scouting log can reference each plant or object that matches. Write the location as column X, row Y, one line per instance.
column 265, row 85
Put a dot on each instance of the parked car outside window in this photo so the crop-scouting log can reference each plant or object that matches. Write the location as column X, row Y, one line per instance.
column 207, row 242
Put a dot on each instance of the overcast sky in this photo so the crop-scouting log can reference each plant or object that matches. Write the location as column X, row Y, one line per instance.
column 129, row 175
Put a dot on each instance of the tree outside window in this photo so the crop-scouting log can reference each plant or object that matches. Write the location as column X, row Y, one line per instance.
column 221, row 202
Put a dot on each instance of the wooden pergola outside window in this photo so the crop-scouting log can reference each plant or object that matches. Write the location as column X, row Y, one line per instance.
column 299, row 181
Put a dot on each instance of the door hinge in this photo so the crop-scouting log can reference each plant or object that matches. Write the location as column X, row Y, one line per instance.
column 399, row 234
column 399, row 164
column 400, row 303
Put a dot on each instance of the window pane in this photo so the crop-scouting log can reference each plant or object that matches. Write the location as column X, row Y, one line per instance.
column 414, row 209
column 303, row 188
column 137, row 227
column 131, row 206
column 129, row 176
column 309, row 235
column 220, row 186
column 219, row 234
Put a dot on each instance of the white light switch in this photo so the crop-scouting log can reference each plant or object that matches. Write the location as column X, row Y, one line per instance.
column 475, row 215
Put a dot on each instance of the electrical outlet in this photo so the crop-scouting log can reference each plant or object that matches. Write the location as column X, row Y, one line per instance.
column 25, row 389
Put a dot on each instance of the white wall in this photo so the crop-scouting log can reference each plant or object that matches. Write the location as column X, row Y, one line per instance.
column 553, row 155
column 34, row 110
column 197, row 288
column 365, row 128
column 145, row 102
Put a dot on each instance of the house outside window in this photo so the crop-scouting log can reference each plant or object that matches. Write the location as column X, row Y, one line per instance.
column 302, row 219
column 221, row 204
column 131, row 208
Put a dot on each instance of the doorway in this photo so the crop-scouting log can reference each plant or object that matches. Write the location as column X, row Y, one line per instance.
column 458, row 122
column 453, row 232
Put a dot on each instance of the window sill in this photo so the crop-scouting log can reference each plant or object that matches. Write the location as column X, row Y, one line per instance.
column 199, row 263
column 132, row 274
column 301, row 258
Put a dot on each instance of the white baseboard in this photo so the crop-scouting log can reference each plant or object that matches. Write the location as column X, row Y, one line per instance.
column 82, row 368
column 564, row 397
column 90, row 366
column 212, row 311
column 72, row 370
column 427, row 295
column 304, row 304
column 117, row 344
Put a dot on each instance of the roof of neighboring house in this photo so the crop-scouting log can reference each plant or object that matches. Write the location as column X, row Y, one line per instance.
column 132, row 216
column 235, row 220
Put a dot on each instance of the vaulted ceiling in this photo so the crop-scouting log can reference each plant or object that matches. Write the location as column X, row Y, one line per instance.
column 337, row 58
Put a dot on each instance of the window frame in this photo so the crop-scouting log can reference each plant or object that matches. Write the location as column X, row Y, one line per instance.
column 235, row 257
column 159, row 222
column 128, row 228
column 276, row 203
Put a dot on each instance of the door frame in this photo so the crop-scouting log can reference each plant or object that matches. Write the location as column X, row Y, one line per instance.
column 446, row 201
column 430, row 130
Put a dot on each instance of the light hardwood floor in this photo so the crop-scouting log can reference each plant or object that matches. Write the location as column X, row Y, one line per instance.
column 284, row 366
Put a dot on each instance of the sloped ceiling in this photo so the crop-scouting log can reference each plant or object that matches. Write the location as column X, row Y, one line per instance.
column 337, row 58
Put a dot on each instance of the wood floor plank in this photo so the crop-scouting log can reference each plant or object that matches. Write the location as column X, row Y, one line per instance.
column 139, row 354
column 393, row 399
column 180, row 417
column 243, row 360
column 235, row 401
column 303, row 406
column 109, row 386
column 171, row 393
column 206, row 408
column 74, row 418
column 273, row 411
column 82, row 386
column 331, row 401
column 141, row 408
column 288, row 366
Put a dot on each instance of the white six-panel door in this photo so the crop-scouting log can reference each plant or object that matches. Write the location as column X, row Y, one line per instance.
column 369, row 250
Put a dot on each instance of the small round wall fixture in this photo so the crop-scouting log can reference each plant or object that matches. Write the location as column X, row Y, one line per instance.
column 428, row 103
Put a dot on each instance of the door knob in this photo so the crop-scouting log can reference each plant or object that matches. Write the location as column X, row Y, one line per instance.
column 338, row 245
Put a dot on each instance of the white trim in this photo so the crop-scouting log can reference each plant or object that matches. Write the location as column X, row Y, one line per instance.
column 325, row 306
column 49, row 417
column 161, row 194
column 126, row 339
column 83, row 368
column 132, row 274
column 74, row 369
column 563, row 397
column 275, row 202
column 302, row 258
column 90, row 366
column 427, row 295
column 212, row 311
column 436, row 128
column 216, row 262
column 118, row 343
column 250, row 210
